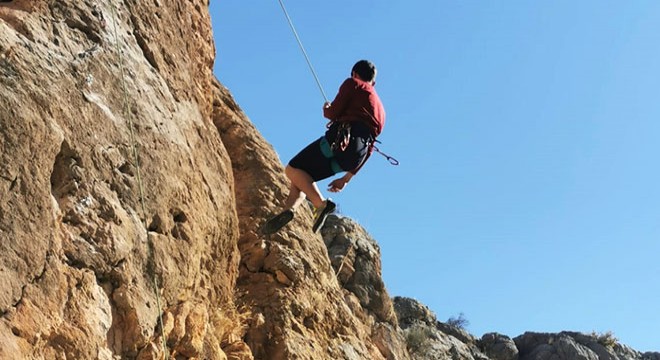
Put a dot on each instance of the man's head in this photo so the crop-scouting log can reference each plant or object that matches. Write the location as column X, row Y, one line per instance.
column 366, row 70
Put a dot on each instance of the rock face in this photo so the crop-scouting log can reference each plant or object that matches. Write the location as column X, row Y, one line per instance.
column 355, row 258
column 97, row 244
column 132, row 188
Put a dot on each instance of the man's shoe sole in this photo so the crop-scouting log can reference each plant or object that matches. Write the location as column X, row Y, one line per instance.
column 276, row 223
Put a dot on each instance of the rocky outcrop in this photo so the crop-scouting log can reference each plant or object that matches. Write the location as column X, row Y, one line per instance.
column 355, row 258
column 498, row 347
column 573, row 345
column 428, row 338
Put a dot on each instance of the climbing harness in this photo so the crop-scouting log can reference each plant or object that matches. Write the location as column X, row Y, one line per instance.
column 345, row 137
column 129, row 118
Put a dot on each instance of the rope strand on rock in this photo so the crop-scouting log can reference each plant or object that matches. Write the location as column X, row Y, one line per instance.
column 136, row 159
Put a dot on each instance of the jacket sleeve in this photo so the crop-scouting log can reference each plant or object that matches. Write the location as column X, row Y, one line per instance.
column 340, row 103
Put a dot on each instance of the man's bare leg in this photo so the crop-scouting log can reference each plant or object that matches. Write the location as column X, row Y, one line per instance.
column 304, row 183
column 294, row 199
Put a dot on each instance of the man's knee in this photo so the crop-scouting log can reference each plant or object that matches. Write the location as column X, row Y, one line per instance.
column 289, row 171
column 292, row 172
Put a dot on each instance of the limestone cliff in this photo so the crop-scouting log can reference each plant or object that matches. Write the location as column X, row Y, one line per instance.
column 96, row 244
column 131, row 190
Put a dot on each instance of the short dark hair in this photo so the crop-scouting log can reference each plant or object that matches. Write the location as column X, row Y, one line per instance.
column 365, row 69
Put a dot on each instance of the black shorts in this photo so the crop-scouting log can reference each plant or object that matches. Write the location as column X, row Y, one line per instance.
column 320, row 162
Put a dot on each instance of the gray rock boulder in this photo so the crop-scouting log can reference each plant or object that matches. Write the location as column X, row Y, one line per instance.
column 355, row 257
column 651, row 356
column 410, row 311
column 575, row 346
column 498, row 347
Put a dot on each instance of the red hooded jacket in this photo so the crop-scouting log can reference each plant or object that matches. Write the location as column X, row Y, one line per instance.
column 357, row 100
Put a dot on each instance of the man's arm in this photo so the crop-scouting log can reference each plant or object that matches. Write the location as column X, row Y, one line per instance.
column 339, row 104
column 338, row 184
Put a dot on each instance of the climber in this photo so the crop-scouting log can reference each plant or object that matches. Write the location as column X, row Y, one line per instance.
column 356, row 118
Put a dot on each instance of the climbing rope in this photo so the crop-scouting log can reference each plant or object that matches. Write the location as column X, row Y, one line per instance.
column 136, row 159
column 302, row 48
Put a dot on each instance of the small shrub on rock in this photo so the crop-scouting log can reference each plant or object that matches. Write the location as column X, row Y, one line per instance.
column 418, row 338
column 460, row 322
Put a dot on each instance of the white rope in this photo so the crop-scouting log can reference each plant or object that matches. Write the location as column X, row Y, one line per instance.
column 309, row 63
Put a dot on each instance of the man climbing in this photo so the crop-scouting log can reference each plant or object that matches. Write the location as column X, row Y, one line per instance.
column 356, row 118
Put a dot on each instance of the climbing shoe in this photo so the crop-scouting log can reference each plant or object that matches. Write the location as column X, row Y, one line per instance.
column 320, row 214
column 277, row 222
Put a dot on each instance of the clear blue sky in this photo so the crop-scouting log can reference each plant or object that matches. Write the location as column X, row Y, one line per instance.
column 528, row 195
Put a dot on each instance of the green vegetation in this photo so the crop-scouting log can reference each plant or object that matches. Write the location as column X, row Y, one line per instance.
column 418, row 338
column 606, row 339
